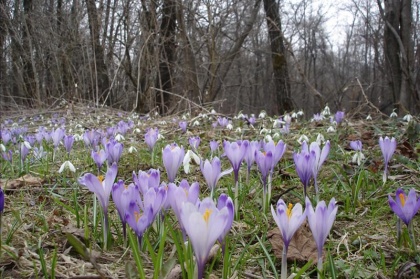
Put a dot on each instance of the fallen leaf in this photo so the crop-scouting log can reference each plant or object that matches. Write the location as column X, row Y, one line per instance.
column 26, row 180
column 302, row 247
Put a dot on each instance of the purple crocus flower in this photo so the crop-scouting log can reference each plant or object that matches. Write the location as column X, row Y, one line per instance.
column 204, row 224
column 304, row 162
column 122, row 196
column 288, row 219
column 212, row 172
column 277, row 150
column 139, row 220
column 388, row 147
column 339, row 116
column 405, row 207
column 151, row 137
column 57, row 135
column 320, row 222
column 250, row 154
column 177, row 195
column 225, row 201
column 235, row 152
column 264, row 162
column 320, row 157
column 6, row 136
column 99, row 158
column 172, row 156
column 146, row 180
column 194, row 142
column 102, row 190
column 91, row 138
column 183, row 126
column 24, row 151
column 68, row 141
column 7, row 155
column 356, row 145
column 222, row 121
column 214, row 145
column 114, row 150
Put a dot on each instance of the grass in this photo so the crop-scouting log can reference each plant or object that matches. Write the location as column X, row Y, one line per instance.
column 48, row 229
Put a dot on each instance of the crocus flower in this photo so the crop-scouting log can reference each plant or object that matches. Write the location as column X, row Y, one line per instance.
column 24, row 151
column 250, row 156
column 264, row 162
column 6, row 136
column 320, row 156
column 212, row 172
column 339, row 116
column 277, row 150
column 235, row 152
column 222, row 121
column 114, row 150
column 304, row 163
column 172, row 156
column 102, row 190
column 151, row 137
column 91, row 138
column 204, row 224
column 57, row 135
column 177, row 195
column 183, row 126
column 320, row 222
column 405, row 207
column 99, row 158
column 194, row 142
column 288, row 219
column 388, row 147
column 68, row 141
column 225, row 201
column 146, row 180
column 213, row 146
column 7, row 155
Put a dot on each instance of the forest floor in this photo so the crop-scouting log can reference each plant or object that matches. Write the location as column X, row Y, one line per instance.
column 50, row 228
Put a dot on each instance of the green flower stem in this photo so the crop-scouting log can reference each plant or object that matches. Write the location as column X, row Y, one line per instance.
column 284, row 263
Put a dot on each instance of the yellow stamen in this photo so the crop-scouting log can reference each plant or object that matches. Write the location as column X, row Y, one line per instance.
column 289, row 210
column 206, row 215
column 137, row 216
column 402, row 199
column 101, row 178
column 125, row 186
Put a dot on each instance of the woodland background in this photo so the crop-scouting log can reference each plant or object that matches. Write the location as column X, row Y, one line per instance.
column 233, row 55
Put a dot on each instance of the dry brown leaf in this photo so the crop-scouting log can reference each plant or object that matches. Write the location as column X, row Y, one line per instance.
column 26, row 180
column 302, row 248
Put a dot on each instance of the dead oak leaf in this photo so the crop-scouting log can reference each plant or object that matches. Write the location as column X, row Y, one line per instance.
column 302, row 247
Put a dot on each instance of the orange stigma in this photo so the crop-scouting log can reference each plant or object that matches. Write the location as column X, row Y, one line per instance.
column 402, row 199
column 206, row 215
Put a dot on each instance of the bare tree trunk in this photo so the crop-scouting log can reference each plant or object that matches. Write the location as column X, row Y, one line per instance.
column 279, row 60
column 100, row 73
column 167, row 55
column 3, row 66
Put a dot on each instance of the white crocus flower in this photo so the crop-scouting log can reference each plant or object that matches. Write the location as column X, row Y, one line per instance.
column 265, row 131
column 262, row 114
column 368, row 117
column 276, row 136
column 196, row 123
column 27, row 144
column 238, row 130
column 137, row 131
column 67, row 164
column 2, row 147
column 229, row 126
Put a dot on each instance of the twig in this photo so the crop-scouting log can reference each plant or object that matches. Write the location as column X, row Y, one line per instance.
column 367, row 100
